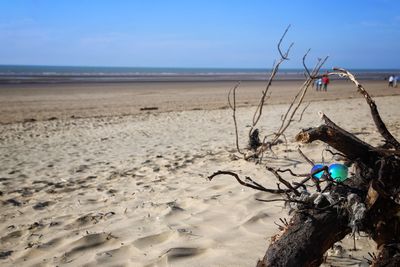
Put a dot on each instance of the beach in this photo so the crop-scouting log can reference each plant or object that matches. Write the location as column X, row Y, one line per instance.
column 27, row 102
column 116, row 173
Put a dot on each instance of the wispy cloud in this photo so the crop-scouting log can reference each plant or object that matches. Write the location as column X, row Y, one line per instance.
column 17, row 24
column 389, row 23
column 150, row 42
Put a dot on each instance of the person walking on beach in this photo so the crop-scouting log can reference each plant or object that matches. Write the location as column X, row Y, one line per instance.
column 319, row 84
column 391, row 80
column 395, row 80
column 325, row 82
column 315, row 84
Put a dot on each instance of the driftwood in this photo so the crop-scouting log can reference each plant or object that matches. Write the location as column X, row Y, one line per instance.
column 375, row 185
column 325, row 211
column 367, row 202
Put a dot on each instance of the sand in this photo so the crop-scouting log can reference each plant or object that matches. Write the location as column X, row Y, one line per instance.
column 25, row 102
column 117, row 186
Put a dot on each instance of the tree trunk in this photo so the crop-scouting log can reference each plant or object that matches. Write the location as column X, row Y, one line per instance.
column 309, row 235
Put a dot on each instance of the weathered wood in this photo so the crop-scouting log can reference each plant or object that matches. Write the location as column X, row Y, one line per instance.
column 346, row 143
column 308, row 237
column 367, row 201
column 380, row 125
column 388, row 257
column 312, row 232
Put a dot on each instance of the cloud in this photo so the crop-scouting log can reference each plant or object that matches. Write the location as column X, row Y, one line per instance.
column 105, row 39
column 17, row 24
column 391, row 23
column 147, row 43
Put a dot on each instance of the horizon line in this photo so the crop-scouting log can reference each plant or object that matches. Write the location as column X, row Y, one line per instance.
column 181, row 67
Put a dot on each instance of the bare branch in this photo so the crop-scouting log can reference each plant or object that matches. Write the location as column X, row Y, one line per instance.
column 304, row 64
column 335, row 153
column 259, row 109
column 292, row 173
column 380, row 125
column 283, row 181
column 305, row 157
column 287, row 119
column 233, row 107
column 271, row 200
column 284, row 56
column 304, row 109
column 251, row 185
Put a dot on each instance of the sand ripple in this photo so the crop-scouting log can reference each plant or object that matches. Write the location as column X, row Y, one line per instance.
column 132, row 190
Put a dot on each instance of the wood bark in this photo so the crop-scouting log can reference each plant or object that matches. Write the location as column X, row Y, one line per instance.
column 312, row 232
column 309, row 236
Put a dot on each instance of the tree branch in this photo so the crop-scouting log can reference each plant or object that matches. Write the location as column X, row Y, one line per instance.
column 284, row 56
column 252, row 185
column 380, row 125
column 341, row 140
column 233, row 107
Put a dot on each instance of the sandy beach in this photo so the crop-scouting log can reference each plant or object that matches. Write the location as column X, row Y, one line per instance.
column 116, row 174
column 26, row 102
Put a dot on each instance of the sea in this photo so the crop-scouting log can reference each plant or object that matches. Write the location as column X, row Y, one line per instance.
column 86, row 74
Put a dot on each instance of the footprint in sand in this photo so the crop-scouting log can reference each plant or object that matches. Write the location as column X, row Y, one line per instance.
column 51, row 243
column 118, row 257
column 88, row 242
column 182, row 252
column 255, row 218
column 42, row 205
column 89, row 218
column 152, row 240
column 13, row 235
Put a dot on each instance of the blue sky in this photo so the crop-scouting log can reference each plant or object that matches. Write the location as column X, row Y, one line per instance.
column 203, row 33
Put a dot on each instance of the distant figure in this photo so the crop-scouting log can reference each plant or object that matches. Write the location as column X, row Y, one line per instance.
column 319, row 84
column 396, row 78
column 325, row 82
column 391, row 80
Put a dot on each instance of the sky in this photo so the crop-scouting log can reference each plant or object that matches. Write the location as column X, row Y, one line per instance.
column 199, row 33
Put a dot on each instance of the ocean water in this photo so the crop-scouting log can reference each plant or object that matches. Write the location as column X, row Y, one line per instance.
column 62, row 74
column 87, row 70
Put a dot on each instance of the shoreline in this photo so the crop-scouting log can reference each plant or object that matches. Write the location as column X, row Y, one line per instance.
column 165, row 79
column 88, row 75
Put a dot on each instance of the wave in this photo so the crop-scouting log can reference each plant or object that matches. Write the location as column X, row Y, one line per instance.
column 62, row 74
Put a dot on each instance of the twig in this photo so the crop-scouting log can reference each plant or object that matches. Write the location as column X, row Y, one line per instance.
column 292, row 173
column 283, row 181
column 251, row 185
column 305, row 157
column 271, row 200
column 233, row 107
column 335, row 153
column 287, row 119
column 316, row 182
column 304, row 64
column 304, row 109
column 284, row 56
